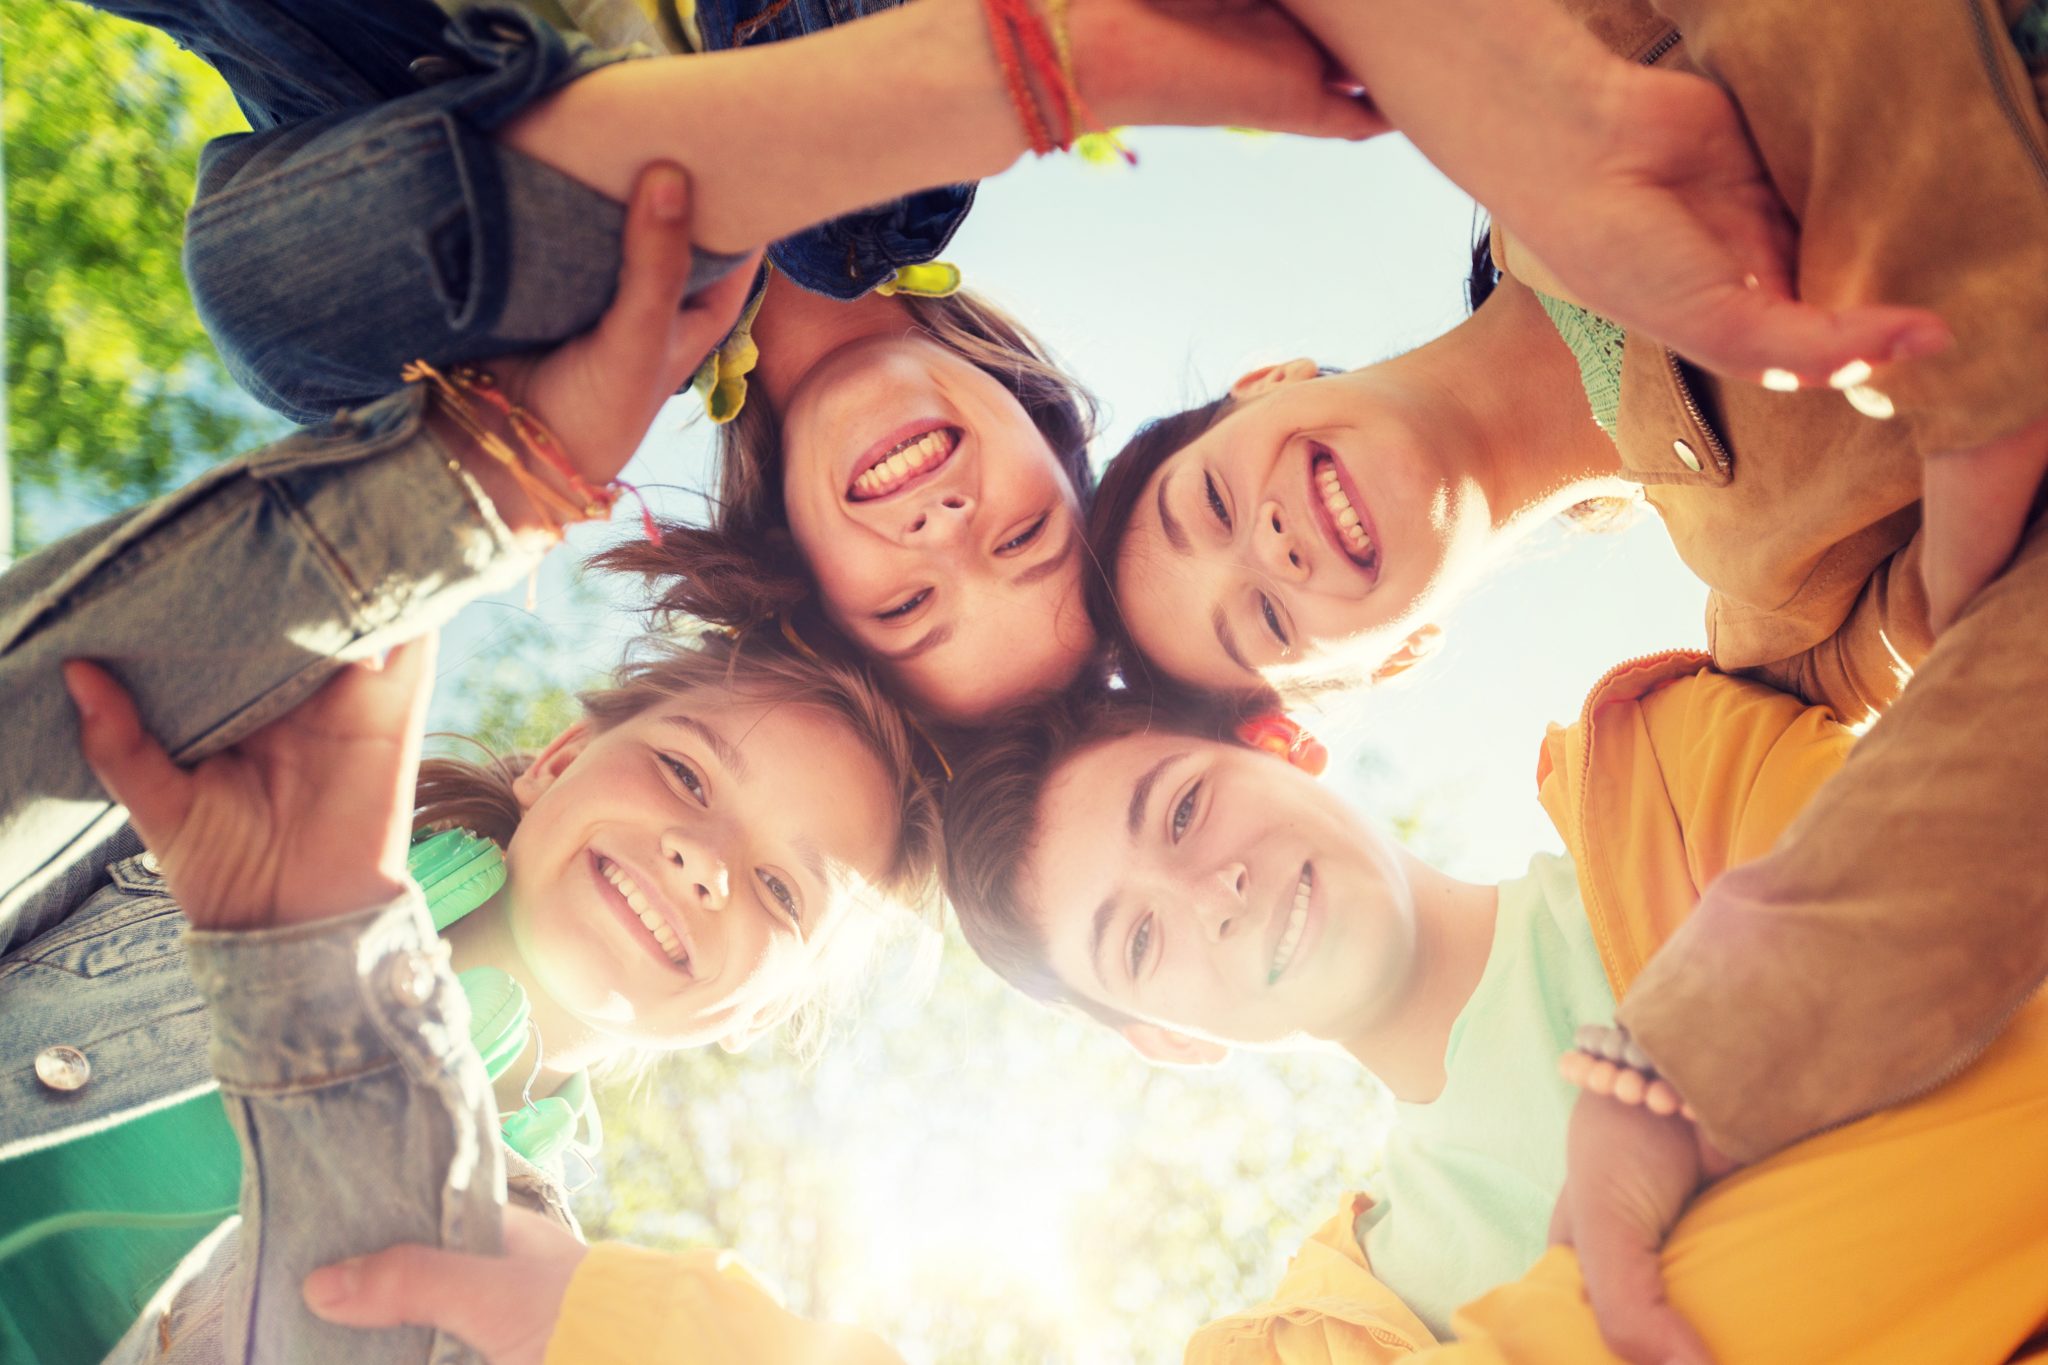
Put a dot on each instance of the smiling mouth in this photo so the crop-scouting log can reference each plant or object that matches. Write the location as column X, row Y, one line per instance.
column 1342, row 519
column 1297, row 920
column 907, row 461
column 646, row 913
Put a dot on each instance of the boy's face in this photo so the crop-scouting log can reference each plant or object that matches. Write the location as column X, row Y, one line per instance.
column 1215, row 891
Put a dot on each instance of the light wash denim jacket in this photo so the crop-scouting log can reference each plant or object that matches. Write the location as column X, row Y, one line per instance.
column 341, row 1048
column 369, row 218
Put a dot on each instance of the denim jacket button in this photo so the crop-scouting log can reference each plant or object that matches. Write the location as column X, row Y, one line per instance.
column 149, row 864
column 1685, row 456
column 412, row 979
column 62, row 1068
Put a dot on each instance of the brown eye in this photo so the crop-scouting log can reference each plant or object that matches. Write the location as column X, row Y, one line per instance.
column 1141, row 939
column 1184, row 812
column 1216, row 506
column 904, row 608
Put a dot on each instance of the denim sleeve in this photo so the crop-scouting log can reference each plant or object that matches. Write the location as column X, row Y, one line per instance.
column 325, row 253
column 343, row 1053
column 220, row 607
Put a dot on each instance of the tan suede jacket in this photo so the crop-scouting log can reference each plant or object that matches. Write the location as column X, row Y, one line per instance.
column 1799, row 512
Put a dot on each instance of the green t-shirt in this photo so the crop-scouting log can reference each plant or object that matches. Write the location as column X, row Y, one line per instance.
column 1468, row 1180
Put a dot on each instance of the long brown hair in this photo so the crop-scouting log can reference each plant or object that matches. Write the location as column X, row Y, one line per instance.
column 745, row 567
column 479, row 795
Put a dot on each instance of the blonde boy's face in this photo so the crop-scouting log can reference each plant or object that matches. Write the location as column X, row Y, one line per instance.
column 673, row 875
column 1216, row 892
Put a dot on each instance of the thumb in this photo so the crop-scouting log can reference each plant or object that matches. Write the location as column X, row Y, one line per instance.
column 129, row 763
column 481, row 1299
column 654, row 272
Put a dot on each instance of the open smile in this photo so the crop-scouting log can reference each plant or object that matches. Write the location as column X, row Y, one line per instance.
column 649, row 921
column 902, row 460
column 1292, row 925
column 1342, row 515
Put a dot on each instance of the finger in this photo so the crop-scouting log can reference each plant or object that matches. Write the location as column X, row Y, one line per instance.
column 1573, row 1066
column 1600, row 1077
column 1759, row 330
column 1629, row 1086
column 707, row 318
column 128, row 761
column 1974, row 511
column 477, row 1298
column 655, row 269
column 1660, row 1099
column 1625, row 1283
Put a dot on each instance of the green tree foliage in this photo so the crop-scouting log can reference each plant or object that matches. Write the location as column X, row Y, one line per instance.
column 114, row 392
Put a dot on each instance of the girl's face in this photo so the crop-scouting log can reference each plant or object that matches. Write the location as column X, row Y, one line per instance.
column 673, row 875
column 1218, row 892
column 1315, row 515
column 943, row 534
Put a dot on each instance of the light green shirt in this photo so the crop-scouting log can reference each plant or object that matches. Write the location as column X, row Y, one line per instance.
column 1468, row 1180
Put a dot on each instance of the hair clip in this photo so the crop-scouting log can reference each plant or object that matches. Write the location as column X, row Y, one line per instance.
column 1282, row 736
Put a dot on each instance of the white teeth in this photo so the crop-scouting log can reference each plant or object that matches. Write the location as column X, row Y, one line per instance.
column 642, row 907
column 1297, row 917
column 1350, row 525
column 912, row 457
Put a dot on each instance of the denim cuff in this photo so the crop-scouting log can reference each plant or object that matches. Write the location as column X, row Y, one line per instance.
column 310, row 1005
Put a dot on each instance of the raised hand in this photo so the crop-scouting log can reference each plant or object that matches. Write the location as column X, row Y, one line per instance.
column 306, row 818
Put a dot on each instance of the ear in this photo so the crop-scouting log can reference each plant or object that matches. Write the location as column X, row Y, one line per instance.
column 1267, row 378
column 744, row 1032
column 1424, row 642
column 1168, row 1047
column 554, row 760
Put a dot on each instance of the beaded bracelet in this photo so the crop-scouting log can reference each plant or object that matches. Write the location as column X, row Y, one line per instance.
column 1020, row 37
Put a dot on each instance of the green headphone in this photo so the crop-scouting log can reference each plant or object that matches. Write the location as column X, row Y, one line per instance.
column 458, row 871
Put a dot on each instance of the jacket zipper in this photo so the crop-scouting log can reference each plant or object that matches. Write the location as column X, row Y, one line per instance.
column 1671, row 39
column 1692, row 408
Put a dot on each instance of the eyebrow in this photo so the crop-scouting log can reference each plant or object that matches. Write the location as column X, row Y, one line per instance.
column 1228, row 640
column 922, row 647
column 719, row 745
column 1134, row 819
column 1176, row 534
column 1050, row 565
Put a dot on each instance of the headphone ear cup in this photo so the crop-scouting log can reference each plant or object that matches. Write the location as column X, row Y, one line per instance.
column 498, row 1015
column 457, row 871
column 542, row 1130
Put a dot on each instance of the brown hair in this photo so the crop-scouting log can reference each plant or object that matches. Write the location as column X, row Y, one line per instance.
column 745, row 566
column 992, row 823
column 479, row 796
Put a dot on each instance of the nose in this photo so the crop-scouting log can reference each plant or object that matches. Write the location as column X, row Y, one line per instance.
column 699, row 867
column 1279, row 544
column 1219, row 901
column 941, row 521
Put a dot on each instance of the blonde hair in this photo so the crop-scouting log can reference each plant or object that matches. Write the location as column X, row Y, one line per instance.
column 479, row 796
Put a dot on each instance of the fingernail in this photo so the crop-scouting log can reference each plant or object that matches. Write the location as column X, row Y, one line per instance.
column 1870, row 402
column 1921, row 342
column 1850, row 375
column 79, row 700
column 1781, row 381
column 668, row 195
column 334, row 1285
column 1348, row 89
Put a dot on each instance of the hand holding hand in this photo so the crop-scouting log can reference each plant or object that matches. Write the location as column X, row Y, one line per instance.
column 1974, row 511
column 504, row 1307
column 307, row 818
column 600, row 392
column 1629, row 1174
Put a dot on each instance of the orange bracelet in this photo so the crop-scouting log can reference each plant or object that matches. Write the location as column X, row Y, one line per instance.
column 1015, row 28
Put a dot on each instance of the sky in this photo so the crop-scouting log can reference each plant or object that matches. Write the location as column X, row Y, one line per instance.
column 1221, row 251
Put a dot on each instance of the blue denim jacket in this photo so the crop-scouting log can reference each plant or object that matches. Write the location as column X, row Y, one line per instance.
column 369, row 219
